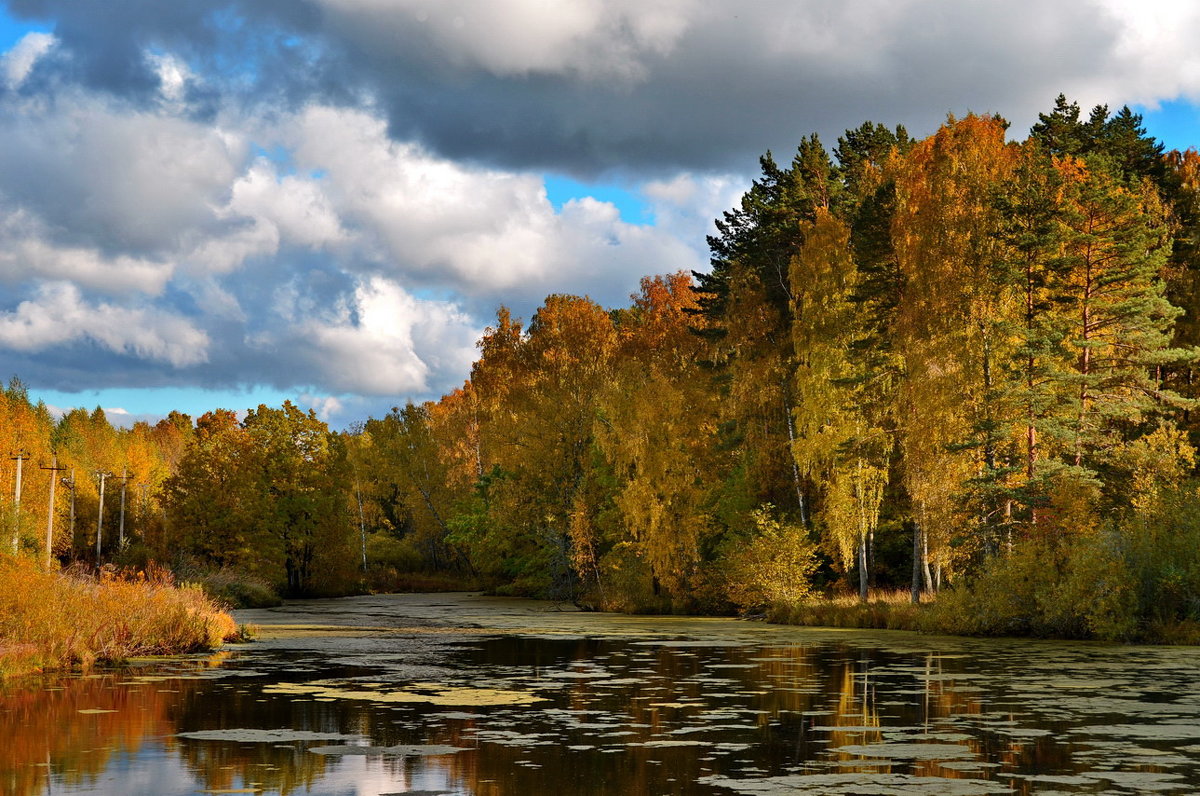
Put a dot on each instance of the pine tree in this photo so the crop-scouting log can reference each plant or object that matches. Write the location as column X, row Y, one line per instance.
column 1121, row 322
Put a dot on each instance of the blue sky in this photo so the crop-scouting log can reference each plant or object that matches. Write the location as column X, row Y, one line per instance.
column 325, row 201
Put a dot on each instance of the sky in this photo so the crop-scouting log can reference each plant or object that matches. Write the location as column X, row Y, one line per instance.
column 221, row 203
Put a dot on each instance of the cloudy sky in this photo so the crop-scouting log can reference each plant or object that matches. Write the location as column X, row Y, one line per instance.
column 210, row 203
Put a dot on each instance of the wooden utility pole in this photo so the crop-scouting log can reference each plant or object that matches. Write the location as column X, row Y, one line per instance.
column 102, row 475
column 20, row 456
column 54, row 471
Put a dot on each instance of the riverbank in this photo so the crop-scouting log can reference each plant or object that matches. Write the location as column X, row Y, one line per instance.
column 963, row 613
column 59, row 620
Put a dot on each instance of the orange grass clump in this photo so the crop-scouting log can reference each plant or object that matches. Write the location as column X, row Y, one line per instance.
column 57, row 619
column 885, row 609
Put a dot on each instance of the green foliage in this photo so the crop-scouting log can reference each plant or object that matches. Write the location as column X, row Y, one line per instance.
column 235, row 589
column 1137, row 579
column 266, row 496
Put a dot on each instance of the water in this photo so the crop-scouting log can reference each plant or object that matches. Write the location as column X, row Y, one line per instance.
column 458, row 694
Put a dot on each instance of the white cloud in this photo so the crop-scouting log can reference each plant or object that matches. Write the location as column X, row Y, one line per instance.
column 120, row 178
column 295, row 206
column 686, row 205
column 58, row 315
column 25, row 256
column 381, row 341
column 326, row 406
column 18, row 62
column 479, row 231
column 173, row 75
column 1155, row 52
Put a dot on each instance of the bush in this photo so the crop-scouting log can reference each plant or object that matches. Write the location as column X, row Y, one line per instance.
column 1135, row 579
column 773, row 567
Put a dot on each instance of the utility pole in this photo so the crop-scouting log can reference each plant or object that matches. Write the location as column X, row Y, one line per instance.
column 20, row 456
column 54, row 471
column 125, row 476
column 102, row 475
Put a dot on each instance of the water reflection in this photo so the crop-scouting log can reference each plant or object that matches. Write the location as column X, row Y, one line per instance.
column 520, row 715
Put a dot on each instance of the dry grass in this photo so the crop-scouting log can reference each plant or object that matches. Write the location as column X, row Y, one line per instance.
column 58, row 620
column 890, row 610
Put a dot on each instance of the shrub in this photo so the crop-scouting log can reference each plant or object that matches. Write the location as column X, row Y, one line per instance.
column 773, row 567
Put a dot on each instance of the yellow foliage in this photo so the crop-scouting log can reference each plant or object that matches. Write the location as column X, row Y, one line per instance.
column 774, row 567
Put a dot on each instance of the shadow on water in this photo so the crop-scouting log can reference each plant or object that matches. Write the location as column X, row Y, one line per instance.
column 480, row 713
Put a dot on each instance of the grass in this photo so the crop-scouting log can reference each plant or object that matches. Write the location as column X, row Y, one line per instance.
column 54, row 620
column 884, row 610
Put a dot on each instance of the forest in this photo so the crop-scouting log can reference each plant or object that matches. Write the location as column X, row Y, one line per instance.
column 961, row 367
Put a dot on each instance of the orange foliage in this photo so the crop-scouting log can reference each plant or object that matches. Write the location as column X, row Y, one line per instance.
column 53, row 619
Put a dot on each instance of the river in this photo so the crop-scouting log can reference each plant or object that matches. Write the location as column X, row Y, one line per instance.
column 465, row 694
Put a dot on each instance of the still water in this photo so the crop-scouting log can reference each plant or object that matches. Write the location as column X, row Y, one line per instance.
column 461, row 694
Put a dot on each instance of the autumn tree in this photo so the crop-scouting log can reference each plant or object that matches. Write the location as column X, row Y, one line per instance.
column 213, row 503
column 656, row 426
column 840, row 442
column 298, row 469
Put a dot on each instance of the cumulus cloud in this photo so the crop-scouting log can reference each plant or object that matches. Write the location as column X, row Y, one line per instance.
column 25, row 254
column 100, row 173
column 58, row 315
column 594, row 39
column 379, row 341
column 483, row 232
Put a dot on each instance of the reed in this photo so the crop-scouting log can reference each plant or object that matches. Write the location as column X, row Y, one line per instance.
column 51, row 620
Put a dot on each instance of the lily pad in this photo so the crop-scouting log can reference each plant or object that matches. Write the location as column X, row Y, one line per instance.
column 426, row 750
column 264, row 736
column 908, row 751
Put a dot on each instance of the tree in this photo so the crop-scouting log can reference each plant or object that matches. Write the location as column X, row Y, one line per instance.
column 1120, row 320
column 950, row 330
column 840, row 442
column 213, row 500
column 299, row 468
column 657, row 423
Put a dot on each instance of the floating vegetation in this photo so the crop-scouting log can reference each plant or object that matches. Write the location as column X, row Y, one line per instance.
column 404, row 750
column 858, row 784
column 908, row 751
column 428, row 693
column 265, row 736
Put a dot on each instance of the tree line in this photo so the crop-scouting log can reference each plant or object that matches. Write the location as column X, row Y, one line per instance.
column 910, row 362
